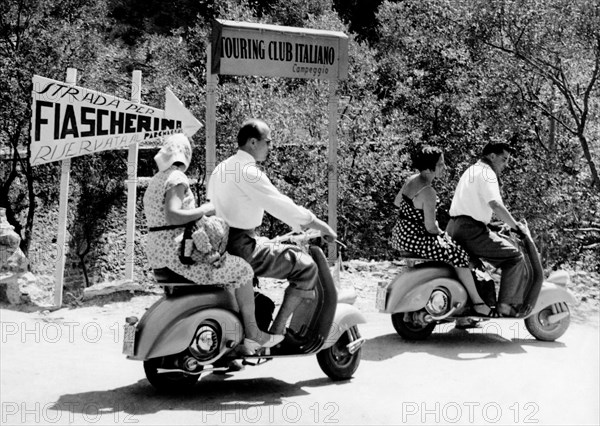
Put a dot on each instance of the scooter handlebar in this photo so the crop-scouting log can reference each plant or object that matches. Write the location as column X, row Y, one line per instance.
column 303, row 237
column 298, row 237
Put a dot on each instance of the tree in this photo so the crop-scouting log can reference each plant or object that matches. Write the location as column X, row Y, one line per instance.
column 37, row 37
column 552, row 52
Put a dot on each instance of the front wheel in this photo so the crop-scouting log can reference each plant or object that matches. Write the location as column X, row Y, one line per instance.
column 412, row 326
column 167, row 382
column 543, row 325
column 337, row 361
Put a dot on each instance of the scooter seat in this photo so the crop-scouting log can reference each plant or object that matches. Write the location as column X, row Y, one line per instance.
column 410, row 255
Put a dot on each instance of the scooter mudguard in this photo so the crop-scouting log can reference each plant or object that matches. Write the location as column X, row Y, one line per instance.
column 346, row 316
column 169, row 325
column 550, row 294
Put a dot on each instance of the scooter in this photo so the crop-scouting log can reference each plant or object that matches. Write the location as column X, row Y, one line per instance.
column 427, row 293
column 194, row 330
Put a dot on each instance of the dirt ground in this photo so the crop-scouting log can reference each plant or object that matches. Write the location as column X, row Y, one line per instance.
column 362, row 276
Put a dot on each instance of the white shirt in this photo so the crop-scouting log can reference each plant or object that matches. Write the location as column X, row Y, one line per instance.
column 241, row 193
column 476, row 188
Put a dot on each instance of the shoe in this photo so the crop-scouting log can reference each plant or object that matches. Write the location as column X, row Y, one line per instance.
column 465, row 323
column 506, row 310
column 252, row 345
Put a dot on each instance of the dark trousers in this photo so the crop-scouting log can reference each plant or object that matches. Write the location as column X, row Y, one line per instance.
column 476, row 238
column 276, row 260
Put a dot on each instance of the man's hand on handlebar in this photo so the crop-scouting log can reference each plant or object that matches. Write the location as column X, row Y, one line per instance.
column 521, row 230
column 327, row 232
column 502, row 228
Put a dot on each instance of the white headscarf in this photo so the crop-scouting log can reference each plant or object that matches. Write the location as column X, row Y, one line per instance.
column 177, row 148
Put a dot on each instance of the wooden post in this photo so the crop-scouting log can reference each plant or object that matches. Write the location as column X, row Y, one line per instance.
column 132, row 165
column 211, row 121
column 61, row 239
column 332, row 168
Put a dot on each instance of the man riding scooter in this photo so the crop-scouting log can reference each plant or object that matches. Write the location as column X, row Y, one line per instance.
column 241, row 193
column 476, row 198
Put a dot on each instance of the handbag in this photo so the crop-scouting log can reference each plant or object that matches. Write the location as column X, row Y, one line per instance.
column 208, row 236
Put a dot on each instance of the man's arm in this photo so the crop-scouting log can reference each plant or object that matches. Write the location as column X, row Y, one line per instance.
column 503, row 214
column 175, row 214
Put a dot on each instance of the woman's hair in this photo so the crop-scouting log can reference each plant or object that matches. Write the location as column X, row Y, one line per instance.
column 426, row 158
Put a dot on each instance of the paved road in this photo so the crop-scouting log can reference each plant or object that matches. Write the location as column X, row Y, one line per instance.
column 66, row 367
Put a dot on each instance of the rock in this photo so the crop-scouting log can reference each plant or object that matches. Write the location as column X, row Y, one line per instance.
column 12, row 258
column 16, row 286
column 110, row 287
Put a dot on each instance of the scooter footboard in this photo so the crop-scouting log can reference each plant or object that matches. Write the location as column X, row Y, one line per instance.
column 345, row 317
column 177, row 336
column 551, row 294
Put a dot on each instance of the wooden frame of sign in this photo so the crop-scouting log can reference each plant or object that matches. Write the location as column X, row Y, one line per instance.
column 242, row 48
column 69, row 121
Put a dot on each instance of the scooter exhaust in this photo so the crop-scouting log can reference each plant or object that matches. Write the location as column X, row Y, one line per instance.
column 430, row 318
column 356, row 345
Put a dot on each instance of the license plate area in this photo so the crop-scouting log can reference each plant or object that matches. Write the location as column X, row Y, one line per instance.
column 128, row 339
column 381, row 297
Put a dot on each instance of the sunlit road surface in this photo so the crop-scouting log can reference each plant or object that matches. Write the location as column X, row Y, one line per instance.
column 66, row 367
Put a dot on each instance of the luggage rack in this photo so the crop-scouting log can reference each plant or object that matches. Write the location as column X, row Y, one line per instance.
column 173, row 283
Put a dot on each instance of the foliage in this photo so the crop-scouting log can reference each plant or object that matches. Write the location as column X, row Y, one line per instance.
column 452, row 74
column 42, row 37
column 455, row 91
column 550, row 52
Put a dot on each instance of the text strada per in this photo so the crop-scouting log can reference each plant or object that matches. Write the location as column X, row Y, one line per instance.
column 91, row 122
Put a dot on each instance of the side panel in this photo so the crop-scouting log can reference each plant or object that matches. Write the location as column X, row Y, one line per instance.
column 175, row 315
column 178, row 337
column 345, row 317
column 551, row 294
column 412, row 278
column 413, row 298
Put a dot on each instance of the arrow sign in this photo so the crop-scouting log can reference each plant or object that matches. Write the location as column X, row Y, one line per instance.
column 69, row 121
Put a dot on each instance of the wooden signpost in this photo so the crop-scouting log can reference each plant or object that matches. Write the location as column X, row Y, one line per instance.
column 70, row 121
column 242, row 48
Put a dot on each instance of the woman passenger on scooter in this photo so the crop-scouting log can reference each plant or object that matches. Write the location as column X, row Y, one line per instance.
column 169, row 205
column 417, row 230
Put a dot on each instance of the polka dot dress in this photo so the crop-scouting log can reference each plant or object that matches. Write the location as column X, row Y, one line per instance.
column 163, row 246
column 410, row 234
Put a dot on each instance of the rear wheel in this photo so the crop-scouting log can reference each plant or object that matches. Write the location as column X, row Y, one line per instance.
column 167, row 382
column 337, row 361
column 411, row 325
column 541, row 327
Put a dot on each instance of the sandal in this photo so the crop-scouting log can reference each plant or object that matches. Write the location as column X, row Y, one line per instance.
column 494, row 314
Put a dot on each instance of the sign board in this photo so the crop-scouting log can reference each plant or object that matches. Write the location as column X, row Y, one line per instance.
column 243, row 48
column 69, row 121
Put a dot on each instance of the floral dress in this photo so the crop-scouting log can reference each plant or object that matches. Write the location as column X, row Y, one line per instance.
column 163, row 247
column 410, row 234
